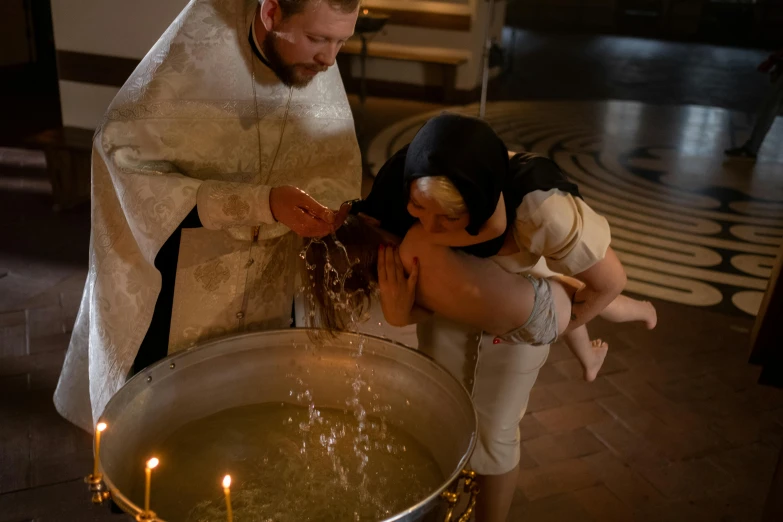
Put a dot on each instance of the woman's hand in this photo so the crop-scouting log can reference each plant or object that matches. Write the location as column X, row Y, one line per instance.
column 398, row 291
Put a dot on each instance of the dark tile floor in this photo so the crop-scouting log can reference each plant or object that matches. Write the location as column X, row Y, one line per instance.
column 591, row 67
column 675, row 428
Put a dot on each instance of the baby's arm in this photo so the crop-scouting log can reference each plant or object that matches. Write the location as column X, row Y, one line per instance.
column 494, row 227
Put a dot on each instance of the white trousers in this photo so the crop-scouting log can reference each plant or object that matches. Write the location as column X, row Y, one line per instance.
column 499, row 378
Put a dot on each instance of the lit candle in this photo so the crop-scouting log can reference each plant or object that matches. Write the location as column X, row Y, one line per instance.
column 151, row 464
column 98, row 430
column 227, row 491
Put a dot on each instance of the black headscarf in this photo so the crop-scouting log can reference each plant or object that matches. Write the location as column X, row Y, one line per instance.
column 467, row 152
column 388, row 199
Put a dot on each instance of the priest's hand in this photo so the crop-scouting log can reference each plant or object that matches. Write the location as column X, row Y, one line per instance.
column 298, row 211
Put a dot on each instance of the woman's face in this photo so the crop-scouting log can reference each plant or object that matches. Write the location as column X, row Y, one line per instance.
column 433, row 217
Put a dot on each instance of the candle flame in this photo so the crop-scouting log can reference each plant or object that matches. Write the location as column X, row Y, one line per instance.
column 227, row 481
column 101, row 426
column 365, row 11
column 153, row 463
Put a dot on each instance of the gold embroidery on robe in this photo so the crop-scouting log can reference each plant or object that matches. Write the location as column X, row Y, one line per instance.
column 211, row 275
column 235, row 207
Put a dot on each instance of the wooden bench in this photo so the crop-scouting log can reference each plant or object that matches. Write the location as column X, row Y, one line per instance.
column 68, row 153
column 437, row 15
column 447, row 59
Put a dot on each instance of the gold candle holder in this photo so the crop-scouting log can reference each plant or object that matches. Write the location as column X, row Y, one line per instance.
column 227, row 492
column 95, row 480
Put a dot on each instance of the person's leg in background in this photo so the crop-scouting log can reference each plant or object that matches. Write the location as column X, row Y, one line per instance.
column 768, row 111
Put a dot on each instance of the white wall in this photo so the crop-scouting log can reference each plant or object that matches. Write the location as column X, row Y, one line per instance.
column 126, row 28
column 83, row 104
column 123, row 28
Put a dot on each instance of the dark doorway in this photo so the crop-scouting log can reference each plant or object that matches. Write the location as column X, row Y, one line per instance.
column 28, row 70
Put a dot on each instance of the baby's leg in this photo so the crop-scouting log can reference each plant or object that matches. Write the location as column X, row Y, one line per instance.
column 591, row 354
column 624, row 310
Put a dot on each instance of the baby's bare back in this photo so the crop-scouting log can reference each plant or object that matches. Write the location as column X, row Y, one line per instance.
column 472, row 290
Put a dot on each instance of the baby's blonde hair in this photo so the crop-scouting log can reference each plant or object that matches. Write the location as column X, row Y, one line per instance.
column 442, row 190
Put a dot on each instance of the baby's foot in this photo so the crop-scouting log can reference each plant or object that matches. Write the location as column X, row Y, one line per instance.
column 650, row 315
column 600, row 349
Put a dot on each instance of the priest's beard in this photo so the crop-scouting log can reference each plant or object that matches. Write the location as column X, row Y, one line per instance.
column 293, row 75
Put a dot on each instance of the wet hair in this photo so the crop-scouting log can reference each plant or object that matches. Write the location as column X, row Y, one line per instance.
column 442, row 190
column 291, row 7
column 330, row 306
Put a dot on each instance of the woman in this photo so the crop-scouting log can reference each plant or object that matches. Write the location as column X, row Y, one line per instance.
column 444, row 190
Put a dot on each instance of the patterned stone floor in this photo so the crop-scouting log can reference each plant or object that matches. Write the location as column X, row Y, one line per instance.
column 689, row 226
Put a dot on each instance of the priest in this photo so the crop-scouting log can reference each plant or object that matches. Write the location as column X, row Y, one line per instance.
column 231, row 140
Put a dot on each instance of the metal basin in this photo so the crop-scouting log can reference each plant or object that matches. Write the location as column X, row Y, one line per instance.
column 257, row 368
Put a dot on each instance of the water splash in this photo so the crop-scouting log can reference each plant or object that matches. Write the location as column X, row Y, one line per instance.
column 365, row 438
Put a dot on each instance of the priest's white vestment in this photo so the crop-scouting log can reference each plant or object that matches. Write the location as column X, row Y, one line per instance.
column 202, row 122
